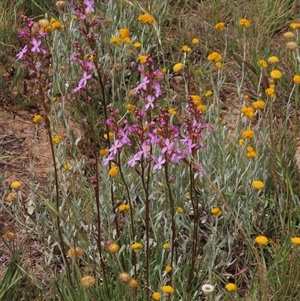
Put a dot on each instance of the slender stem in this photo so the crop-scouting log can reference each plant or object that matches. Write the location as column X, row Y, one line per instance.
column 195, row 229
column 172, row 205
column 64, row 254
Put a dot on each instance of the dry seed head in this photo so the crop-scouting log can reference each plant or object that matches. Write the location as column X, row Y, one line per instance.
column 291, row 45
column 124, row 277
column 60, row 4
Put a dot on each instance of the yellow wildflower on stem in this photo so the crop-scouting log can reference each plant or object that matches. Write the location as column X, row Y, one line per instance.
column 167, row 289
column 143, row 59
column 124, row 207
column 116, row 41
column 257, row 185
column 36, row 118
column 124, row 32
column 273, row 60
column 178, row 67
column 132, row 283
column 263, row 64
column 179, row 210
column 195, row 41
column 75, row 252
column 166, row 245
column 137, row 44
column 57, row 139
column 216, row 211
column 186, row 49
column 136, row 246
column 15, row 185
column 296, row 79
column 258, row 105
column 146, row 19
column 113, row 171
column 230, row 287
column 248, row 134
column 245, row 23
column 219, row 26
column 276, row 74
column 103, row 152
column 295, row 240
column 261, row 240
column 156, row 296
column 113, row 248
column 248, row 111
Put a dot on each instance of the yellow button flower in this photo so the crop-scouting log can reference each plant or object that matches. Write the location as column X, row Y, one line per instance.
column 259, row 104
column 15, row 185
column 273, row 60
column 166, row 245
column 295, row 240
column 219, row 26
column 178, row 67
column 75, row 252
column 248, row 111
column 116, row 41
column 124, row 32
column 208, row 93
column 136, row 246
column 276, row 74
column 295, row 25
column 113, row 171
column 143, row 59
column 230, row 287
column 172, row 111
column 146, row 19
column 216, row 211
column 167, row 289
column 296, row 79
column 257, row 185
column 168, row 268
column 289, row 35
column 103, row 152
column 137, row 44
column 57, row 139
column 195, row 41
column 156, row 296
column 261, row 240
column 113, row 248
column 263, row 64
column 124, row 207
column 179, row 210
column 245, row 23
column 186, row 48
column 248, row 134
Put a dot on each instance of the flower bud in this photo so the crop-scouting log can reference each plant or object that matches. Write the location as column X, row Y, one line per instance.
column 60, row 4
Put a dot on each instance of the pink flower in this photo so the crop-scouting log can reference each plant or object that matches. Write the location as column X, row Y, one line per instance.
column 35, row 45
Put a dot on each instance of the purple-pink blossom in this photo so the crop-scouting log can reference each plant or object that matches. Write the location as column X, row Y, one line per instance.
column 35, row 45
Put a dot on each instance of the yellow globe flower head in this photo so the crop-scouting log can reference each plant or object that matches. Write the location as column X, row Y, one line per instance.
column 199, row 72
column 258, row 105
column 257, row 185
column 66, row 166
column 124, row 207
column 132, row 283
column 124, row 277
column 36, row 118
column 196, row 99
column 57, row 139
column 195, row 41
column 103, row 152
column 270, row 92
column 75, row 252
column 56, row 25
column 113, row 171
column 215, row 57
column 276, row 74
column 156, row 296
column 166, row 245
column 251, row 153
column 208, row 94
column 202, row 108
column 261, row 240
column 296, row 79
column 295, row 240
column 172, row 112
column 220, row 26
column 168, row 268
column 230, row 287
column 137, row 44
column 241, row 142
column 263, row 64
column 88, row 281
column 273, row 60
column 167, row 289
column 124, row 32
column 245, row 23
column 11, row 197
column 146, row 19
column 143, row 59
column 216, row 211
column 179, row 210
column 110, row 135
column 218, row 65
column 178, row 67
column 136, row 246
column 113, row 248
column 248, row 134
column 116, row 41
column 295, row 25
column 248, row 111
column 289, row 35
column 127, row 40
column 186, row 49
column 15, row 185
